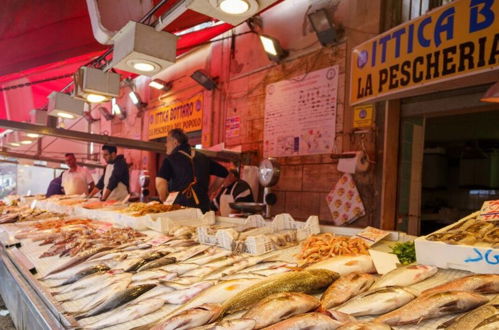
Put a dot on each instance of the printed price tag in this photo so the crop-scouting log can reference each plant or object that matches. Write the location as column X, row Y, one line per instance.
column 489, row 211
column 372, row 235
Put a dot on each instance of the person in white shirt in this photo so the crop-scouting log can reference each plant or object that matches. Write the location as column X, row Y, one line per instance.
column 77, row 180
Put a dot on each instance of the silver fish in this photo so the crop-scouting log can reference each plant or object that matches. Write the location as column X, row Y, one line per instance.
column 480, row 318
column 268, row 265
column 180, row 268
column 433, row 305
column 101, row 296
column 129, row 313
column 405, row 276
column 189, row 253
column 86, row 272
column 153, row 274
column 242, row 275
column 377, row 301
column 190, row 318
column 205, row 259
column 346, row 287
column 179, row 297
column 280, row 306
column 95, row 286
column 249, row 261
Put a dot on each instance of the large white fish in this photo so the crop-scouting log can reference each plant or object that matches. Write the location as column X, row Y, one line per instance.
column 190, row 318
column 102, row 295
column 129, row 313
column 377, row 301
column 405, row 276
column 346, row 264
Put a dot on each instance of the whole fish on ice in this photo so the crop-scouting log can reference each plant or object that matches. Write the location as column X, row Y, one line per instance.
column 405, row 276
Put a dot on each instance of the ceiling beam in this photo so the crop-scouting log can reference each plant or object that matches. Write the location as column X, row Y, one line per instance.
column 45, row 159
column 83, row 136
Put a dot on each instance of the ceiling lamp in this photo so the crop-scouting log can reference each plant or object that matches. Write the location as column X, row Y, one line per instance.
column 64, row 106
column 323, row 27
column 204, row 79
column 492, row 94
column 96, row 86
column 15, row 144
column 229, row 11
column 273, row 48
column 26, row 142
column 140, row 49
column 33, row 135
column 161, row 85
column 117, row 110
column 234, row 7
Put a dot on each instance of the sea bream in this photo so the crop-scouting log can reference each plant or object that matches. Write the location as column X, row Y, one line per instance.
column 306, row 281
column 405, row 276
column 377, row 301
column 190, row 318
column 433, row 305
column 346, row 287
column 346, row 264
column 280, row 306
column 129, row 313
column 481, row 283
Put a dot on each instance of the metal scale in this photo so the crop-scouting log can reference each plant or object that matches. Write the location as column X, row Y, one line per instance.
column 268, row 175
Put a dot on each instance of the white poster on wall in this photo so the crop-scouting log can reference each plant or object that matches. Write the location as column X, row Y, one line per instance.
column 300, row 114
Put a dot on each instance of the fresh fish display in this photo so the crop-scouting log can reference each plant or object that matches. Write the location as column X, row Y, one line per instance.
column 214, row 267
column 117, row 300
column 484, row 283
column 346, row 264
column 85, row 272
column 365, row 326
column 202, row 260
column 141, row 261
column 484, row 317
column 189, row 253
column 306, row 281
column 434, row 305
column 236, row 267
column 181, row 296
column 129, row 313
column 346, row 287
column 190, row 318
column 84, row 290
column 377, row 301
column 265, row 265
column 242, row 275
column 280, row 306
column 405, row 276
column 309, row 321
column 180, row 268
column 234, row 324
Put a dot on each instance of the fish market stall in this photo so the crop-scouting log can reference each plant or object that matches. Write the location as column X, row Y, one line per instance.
column 242, row 273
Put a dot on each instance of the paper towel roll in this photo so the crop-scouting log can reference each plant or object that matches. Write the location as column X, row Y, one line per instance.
column 358, row 163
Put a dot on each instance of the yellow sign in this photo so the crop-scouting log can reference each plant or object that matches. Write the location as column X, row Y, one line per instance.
column 363, row 116
column 187, row 115
column 456, row 40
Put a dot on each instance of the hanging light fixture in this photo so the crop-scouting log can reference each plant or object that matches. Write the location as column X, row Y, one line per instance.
column 96, row 86
column 204, row 79
column 64, row 106
column 273, row 48
column 323, row 27
column 161, row 85
column 140, row 49
column 117, row 110
column 234, row 7
column 33, row 135
column 492, row 94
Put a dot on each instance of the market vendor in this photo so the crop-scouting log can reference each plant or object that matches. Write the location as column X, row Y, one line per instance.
column 76, row 180
column 186, row 173
column 233, row 190
column 114, row 183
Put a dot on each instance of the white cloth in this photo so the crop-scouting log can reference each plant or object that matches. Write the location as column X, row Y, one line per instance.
column 76, row 183
column 120, row 192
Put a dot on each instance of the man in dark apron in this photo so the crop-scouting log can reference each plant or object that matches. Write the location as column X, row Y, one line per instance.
column 186, row 173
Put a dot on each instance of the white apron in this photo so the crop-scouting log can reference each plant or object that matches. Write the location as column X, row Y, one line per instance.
column 120, row 192
column 225, row 199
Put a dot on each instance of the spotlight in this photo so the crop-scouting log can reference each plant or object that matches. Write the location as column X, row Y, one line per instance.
column 140, row 49
column 117, row 110
column 492, row 94
column 273, row 48
column 33, row 135
column 202, row 78
column 26, row 142
column 108, row 116
column 161, row 85
column 96, row 86
column 135, row 97
column 323, row 27
column 15, row 144
column 64, row 106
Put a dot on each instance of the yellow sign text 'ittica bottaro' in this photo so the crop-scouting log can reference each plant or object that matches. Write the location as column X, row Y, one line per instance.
column 187, row 115
column 459, row 39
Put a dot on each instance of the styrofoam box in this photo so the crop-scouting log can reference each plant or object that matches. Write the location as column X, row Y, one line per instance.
column 162, row 222
column 479, row 258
